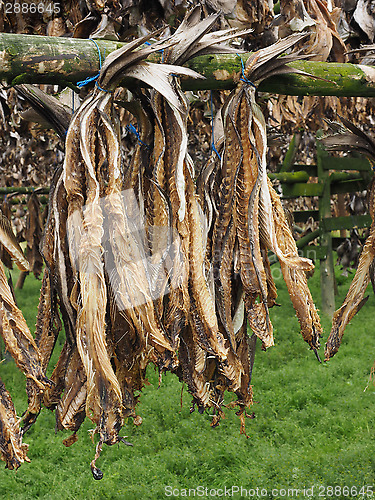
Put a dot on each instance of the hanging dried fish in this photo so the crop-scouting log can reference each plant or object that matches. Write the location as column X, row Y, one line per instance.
column 143, row 263
column 249, row 213
column 5, row 257
column 12, row 450
column 17, row 337
column 10, row 243
column 93, row 182
column 352, row 138
column 33, row 234
column 189, row 313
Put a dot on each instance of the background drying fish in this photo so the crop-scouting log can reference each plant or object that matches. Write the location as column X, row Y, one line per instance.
column 352, row 138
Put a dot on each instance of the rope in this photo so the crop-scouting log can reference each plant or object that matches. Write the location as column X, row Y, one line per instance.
column 213, row 148
column 244, row 79
column 161, row 51
column 94, row 78
column 132, row 129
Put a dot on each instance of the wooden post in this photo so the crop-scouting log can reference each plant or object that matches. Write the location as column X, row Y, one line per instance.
column 287, row 164
column 327, row 275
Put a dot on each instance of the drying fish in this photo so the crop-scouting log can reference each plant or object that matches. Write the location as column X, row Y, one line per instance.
column 17, row 337
column 6, row 211
column 352, row 138
column 10, row 243
column 143, row 263
column 33, row 234
column 314, row 17
column 47, row 109
column 190, row 314
column 247, row 214
column 12, row 450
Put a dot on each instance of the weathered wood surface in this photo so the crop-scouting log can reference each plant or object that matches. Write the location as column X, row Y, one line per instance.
column 41, row 59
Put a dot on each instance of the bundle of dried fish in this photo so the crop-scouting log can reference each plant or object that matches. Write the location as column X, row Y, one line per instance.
column 352, row 138
column 314, row 17
column 250, row 220
column 110, row 278
column 21, row 345
column 6, row 212
column 189, row 314
column 12, row 450
column 33, row 234
column 144, row 264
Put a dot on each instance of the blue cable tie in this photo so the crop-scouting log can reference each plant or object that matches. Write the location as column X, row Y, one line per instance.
column 132, row 129
column 244, row 79
column 104, row 90
column 161, row 50
column 213, row 147
column 94, row 78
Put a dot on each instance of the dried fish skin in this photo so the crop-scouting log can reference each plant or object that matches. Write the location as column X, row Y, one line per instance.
column 52, row 395
column 17, row 337
column 71, row 409
column 12, row 450
column 47, row 329
column 33, row 234
column 354, row 299
column 10, row 243
column 295, row 279
column 192, row 360
column 349, row 138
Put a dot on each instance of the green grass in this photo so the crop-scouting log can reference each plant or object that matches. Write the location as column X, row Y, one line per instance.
column 314, row 426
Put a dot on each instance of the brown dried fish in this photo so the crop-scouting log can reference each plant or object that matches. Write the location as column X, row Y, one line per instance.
column 353, row 138
column 12, row 450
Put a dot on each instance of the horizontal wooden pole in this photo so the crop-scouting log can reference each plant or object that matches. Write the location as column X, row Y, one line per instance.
column 301, row 189
column 314, row 252
column 345, row 176
column 302, row 242
column 346, row 222
column 346, row 163
column 303, row 215
column 290, row 177
column 23, row 190
column 65, row 61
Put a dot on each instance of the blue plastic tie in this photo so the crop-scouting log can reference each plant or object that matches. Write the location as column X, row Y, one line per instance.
column 213, row 148
column 244, row 79
column 132, row 129
column 94, row 78
column 161, row 50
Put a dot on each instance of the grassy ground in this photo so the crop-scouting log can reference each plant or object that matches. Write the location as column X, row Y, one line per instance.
column 314, row 428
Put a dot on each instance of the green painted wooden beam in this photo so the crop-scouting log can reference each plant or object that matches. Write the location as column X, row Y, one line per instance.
column 314, row 252
column 327, row 274
column 287, row 164
column 348, row 222
column 345, row 176
column 64, row 61
column 301, row 189
column 349, row 186
column 23, row 190
column 290, row 177
column 312, row 170
column 303, row 215
column 346, row 163
column 302, row 242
